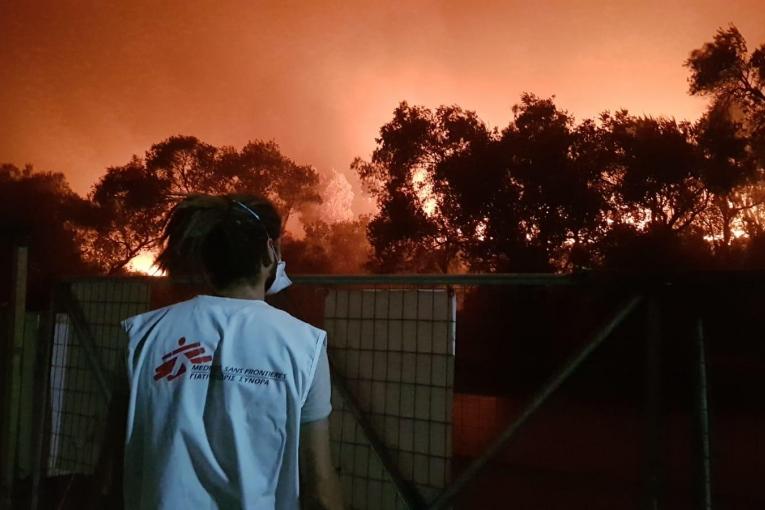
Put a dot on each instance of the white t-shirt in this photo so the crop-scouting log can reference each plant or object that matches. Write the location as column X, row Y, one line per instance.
column 218, row 390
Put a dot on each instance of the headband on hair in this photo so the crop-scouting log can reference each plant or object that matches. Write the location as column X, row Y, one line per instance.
column 257, row 217
column 254, row 214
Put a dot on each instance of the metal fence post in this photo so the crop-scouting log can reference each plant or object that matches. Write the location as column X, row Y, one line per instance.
column 704, row 468
column 13, row 349
column 652, row 464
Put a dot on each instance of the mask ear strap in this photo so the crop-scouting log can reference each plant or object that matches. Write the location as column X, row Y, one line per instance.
column 277, row 258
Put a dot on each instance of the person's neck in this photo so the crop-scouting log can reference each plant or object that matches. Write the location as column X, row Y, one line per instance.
column 244, row 292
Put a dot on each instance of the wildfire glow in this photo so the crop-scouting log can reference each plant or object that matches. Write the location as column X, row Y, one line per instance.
column 480, row 230
column 144, row 264
column 424, row 189
column 323, row 98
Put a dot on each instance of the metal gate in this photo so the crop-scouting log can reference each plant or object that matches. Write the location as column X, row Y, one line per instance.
column 392, row 350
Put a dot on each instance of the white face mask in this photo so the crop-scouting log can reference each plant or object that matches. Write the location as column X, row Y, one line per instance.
column 281, row 281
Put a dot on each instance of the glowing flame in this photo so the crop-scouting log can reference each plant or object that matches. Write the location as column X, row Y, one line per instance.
column 424, row 189
column 144, row 264
column 480, row 230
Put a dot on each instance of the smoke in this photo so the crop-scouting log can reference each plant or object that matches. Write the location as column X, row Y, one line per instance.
column 87, row 84
column 337, row 196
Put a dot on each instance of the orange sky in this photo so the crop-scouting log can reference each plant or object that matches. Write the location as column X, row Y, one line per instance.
column 88, row 83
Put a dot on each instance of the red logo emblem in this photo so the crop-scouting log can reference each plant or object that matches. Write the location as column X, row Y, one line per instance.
column 193, row 353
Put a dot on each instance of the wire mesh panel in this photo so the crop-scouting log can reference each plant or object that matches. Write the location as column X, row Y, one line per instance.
column 78, row 369
column 394, row 348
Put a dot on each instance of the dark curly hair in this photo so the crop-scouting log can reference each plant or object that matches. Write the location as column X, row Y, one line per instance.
column 213, row 239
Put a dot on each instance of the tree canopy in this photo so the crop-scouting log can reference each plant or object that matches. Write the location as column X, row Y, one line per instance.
column 128, row 205
column 36, row 210
column 547, row 193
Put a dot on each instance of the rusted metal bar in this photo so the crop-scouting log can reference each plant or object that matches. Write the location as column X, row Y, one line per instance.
column 446, row 497
column 407, row 491
column 704, row 476
column 87, row 342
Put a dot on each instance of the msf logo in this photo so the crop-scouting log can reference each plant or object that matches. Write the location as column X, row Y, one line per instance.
column 194, row 353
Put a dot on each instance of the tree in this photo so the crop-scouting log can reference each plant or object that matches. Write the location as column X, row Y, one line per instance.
column 735, row 80
column 550, row 194
column 123, row 217
column 655, row 172
column 129, row 204
column 671, row 190
column 725, row 70
column 453, row 194
column 261, row 168
column 336, row 248
column 731, row 177
column 551, row 191
column 35, row 209
column 186, row 165
column 732, row 132
column 415, row 228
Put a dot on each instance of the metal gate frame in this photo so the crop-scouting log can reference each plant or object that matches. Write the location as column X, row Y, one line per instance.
column 644, row 296
column 646, row 288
